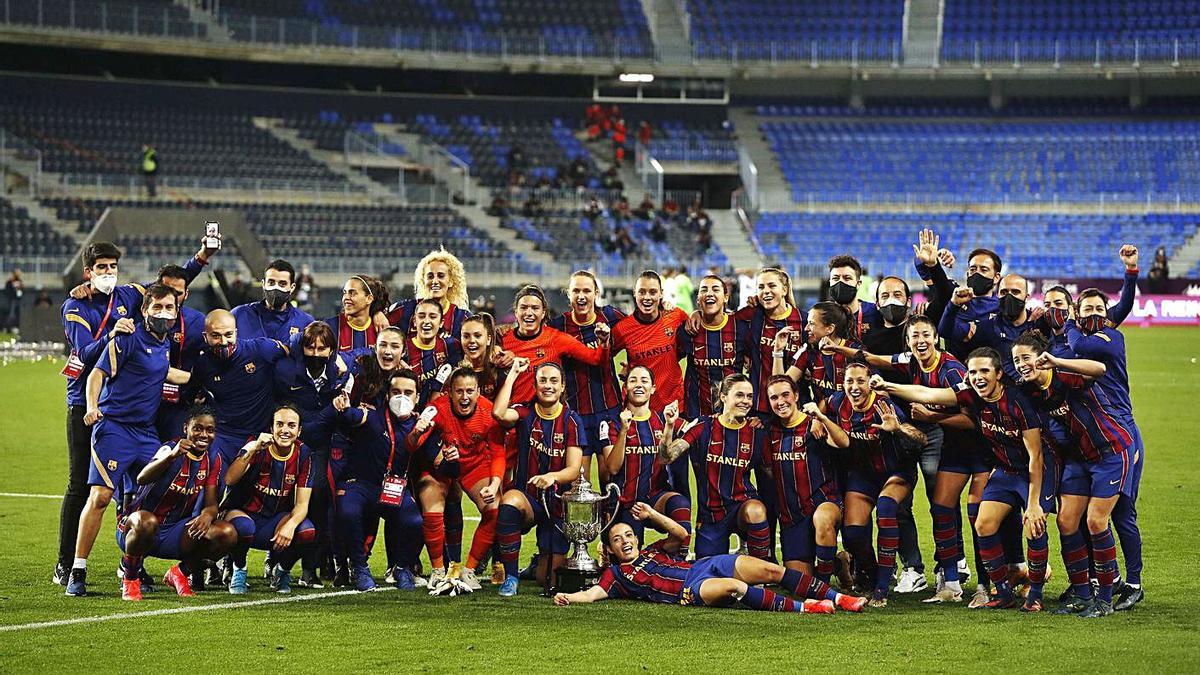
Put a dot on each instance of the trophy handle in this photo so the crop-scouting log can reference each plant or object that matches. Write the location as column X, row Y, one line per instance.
column 546, row 505
column 614, row 492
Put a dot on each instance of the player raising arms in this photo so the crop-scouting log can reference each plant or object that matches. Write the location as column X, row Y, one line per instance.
column 1096, row 464
column 1024, row 476
column 723, row 449
column 549, row 444
column 629, row 455
column 270, row 485
column 952, row 435
column 716, row 350
column 440, row 277
column 819, row 365
column 174, row 514
column 806, row 486
column 373, row 485
column 430, row 355
column 658, row 573
column 880, row 471
column 533, row 340
column 466, row 452
column 592, row 391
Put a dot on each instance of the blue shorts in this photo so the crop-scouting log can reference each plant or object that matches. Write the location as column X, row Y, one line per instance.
column 548, row 536
column 119, row 449
column 1139, row 456
column 168, row 541
column 591, row 430
column 229, row 446
column 264, row 528
column 1109, row 477
column 712, row 538
column 870, row 483
column 963, row 452
column 798, row 541
column 710, row 567
column 1012, row 489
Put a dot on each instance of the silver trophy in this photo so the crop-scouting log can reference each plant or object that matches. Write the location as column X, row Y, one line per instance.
column 583, row 521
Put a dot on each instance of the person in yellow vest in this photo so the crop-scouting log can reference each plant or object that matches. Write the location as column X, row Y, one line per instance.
column 150, row 169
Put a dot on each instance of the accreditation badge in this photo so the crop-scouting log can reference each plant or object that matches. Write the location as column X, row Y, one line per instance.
column 170, row 392
column 74, row 367
column 393, row 490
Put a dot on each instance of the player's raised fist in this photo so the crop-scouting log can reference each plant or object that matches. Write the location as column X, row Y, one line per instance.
column 627, row 418
column 877, row 383
column 1129, row 256
column 962, row 295
column 520, row 364
column 811, row 409
column 945, row 257
column 602, row 332
column 92, row 417
column 671, row 412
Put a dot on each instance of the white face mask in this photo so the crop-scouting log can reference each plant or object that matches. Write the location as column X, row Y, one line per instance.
column 401, row 406
column 105, row 283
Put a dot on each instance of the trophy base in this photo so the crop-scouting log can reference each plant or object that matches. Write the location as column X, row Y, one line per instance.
column 574, row 581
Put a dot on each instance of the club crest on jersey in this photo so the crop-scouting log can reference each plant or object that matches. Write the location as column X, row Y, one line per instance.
column 558, row 439
column 540, row 353
column 201, row 474
column 668, row 331
column 727, row 348
column 177, row 338
column 122, row 311
column 112, row 465
column 289, row 478
column 250, row 368
column 293, row 330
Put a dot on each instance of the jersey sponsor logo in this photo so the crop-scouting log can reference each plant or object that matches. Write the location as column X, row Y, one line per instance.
column 641, row 449
column 713, row 363
column 738, row 462
column 793, row 456
column 998, row 429
column 250, row 367
column 863, row 435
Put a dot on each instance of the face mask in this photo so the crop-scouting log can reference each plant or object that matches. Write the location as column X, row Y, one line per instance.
column 315, row 364
column 160, row 323
column 1056, row 317
column 842, row 293
column 401, row 406
column 275, row 298
column 104, row 283
column 1011, row 307
column 223, row 351
column 980, row 285
column 1091, row 324
column 895, row 312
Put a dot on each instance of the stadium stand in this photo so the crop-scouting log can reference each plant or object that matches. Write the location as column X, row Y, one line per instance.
column 786, row 29
column 677, row 141
column 21, row 234
column 1035, row 245
column 559, row 27
column 135, row 17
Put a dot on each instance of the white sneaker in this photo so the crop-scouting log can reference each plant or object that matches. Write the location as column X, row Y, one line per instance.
column 964, row 571
column 419, row 581
column 980, row 598
column 911, row 581
column 948, row 593
column 939, row 581
column 437, row 580
column 469, row 579
column 390, row 578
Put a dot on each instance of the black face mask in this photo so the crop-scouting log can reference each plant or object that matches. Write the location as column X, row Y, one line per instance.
column 1011, row 307
column 842, row 293
column 980, row 285
column 894, row 314
column 315, row 364
column 276, row 299
column 159, row 325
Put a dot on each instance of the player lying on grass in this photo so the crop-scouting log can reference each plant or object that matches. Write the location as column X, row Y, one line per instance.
column 658, row 574
column 174, row 514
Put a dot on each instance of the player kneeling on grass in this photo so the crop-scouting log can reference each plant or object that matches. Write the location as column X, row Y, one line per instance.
column 657, row 573
column 270, row 483
column 174, row 514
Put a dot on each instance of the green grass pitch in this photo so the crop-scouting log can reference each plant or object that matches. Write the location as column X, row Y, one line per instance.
column 410, row 632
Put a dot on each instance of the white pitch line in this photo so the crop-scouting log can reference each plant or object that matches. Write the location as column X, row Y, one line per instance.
column 181, row 610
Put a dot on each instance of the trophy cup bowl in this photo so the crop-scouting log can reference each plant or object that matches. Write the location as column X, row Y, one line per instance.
column 583, row 521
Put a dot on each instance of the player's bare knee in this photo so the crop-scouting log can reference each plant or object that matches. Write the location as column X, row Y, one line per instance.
column 222, row 534
column 1097, row 522
column 100, row 497
column 143, row 522
column 755, row 511
column 1067, row 523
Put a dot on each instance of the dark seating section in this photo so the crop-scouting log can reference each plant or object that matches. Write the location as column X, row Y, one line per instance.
column 567, row 235
column 1068, row 29
column 786, row 29
column 21, row 234
column 1036, row 245
column 136, row 17
column 555, row 27
column 106, row 138
column 483, row 142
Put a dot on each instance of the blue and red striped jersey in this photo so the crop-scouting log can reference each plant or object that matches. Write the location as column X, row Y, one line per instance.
column 946, row 373
column 641, row 476
column 178, row 493
column 269, row 485
column 712, row 354
column 723, row 458
column 590, row 389
column 400, row 315
column 1107, row 346
column 653, row 576
column 425, row 360
column 760, row 343
column 542, row 444
column 802, row 469
column 860, row 322
column 871, row 449
column 823, row 372
column 1003, row 422
column 1083, row 408
column 349, row 337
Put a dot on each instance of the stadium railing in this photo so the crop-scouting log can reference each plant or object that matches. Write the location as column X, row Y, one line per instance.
column 134, row 186
column 794, row 200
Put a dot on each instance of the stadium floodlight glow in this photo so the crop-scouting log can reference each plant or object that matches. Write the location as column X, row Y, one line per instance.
column 637, row 77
